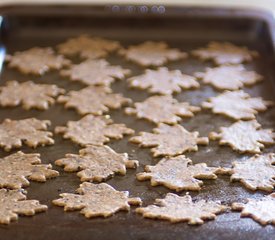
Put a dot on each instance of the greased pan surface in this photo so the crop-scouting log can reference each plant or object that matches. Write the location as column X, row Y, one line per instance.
column 25, row 27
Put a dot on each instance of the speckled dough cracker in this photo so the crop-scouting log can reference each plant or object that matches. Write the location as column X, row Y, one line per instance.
column 152, row 54
column 88, row 47
column 163, row 81
column 16, row 169
column 182, row 209
column 29, row 94
column 244, row 136
column 96, row 100
column 237, row 105
column 31, row 131
column 162, row 109
column 14, row 203
column 96, row 200
column 261, row 210
column 36, row 61
column 178, row 173
column 96, row 163
column 95, row 130
column 169, row 140
column 225, row 53
column 257, row 172
column 229, row 77
column 95, row 72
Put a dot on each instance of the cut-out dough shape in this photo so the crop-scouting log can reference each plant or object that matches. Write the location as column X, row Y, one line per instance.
column 163, row 81
column 96, row 200
column 95, row 130
column 13, row 203
column 229, row 77
column 225, row 53
column 237, row 105
column 152, row 54
column 29, row 95
column 261, row 210
column 36, row 61
column 88, row 47
column 162, row 109
column 169, row 140
column 244, row 136
column 96, row 100
column 31, row 131
column 96, row 163
column 257, row 172
column 95, row 72
column 178, row 173
column 175, row 209
column 16, row 169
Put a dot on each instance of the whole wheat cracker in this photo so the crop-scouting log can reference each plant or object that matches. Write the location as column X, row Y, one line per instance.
column 96, row 163
column 36, row 61
column 96, row 200
column 162, row 109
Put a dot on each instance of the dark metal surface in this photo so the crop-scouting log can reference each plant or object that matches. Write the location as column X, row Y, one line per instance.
column 183, row 28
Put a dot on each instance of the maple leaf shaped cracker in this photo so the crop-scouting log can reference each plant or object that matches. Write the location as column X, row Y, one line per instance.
column 95, row 72
column 152, row 54
column 30, row 131
column 88, row 47
column 244, row 136
column 178, row 174
column 93, row 99
column 169, row 140
column 163, row 81
column 237, row 105
column 261, row 210
column 96, row 163
column 29, row 94
column 229, row 77
column 225, row 53
column 96, row 200
column 36, row 61
column 182, row 209
column 162, row 109
column 14, row 203
column 95, row 130
column 16, row 169
column 257, row 172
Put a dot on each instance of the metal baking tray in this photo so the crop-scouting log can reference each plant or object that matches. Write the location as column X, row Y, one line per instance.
column 23, row 27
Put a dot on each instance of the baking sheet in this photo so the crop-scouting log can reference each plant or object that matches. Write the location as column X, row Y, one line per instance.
column 186, row 29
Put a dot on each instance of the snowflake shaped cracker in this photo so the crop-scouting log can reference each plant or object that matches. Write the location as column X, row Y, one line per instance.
column 229, row 77
column 182, row 209
column 95, row 72
column 163, row 81
column 152, row 54
column 14, row 203
column 88, row 47
column 95, row 130
column 39, row 96
column 237, row 105
column 244, row 136
column 261, row 210
column 169, row 140
column 96, row 163
column 31, row 131
column 96, row 200
column 93, row 99
column 178, row 174
column 162, row 109
column 16, row 169
column 257, row 172
column 225, row 53
column 36, row 61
